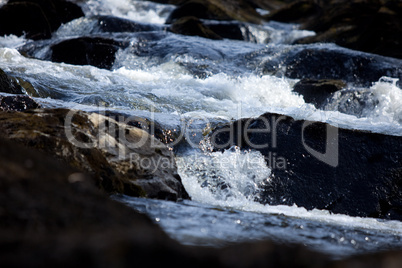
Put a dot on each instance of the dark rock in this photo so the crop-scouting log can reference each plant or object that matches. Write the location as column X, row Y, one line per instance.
column 17, row 103
column 229, row 30
column 295, row 11
column 317, row 92
column 193, row 26
column 98, row 52
column 52, row 214
column 387, row 259
column 8, row 84
column 212, row 29
column 199, row 9
column 16, row 85
column 123, row 159
column 216, row 10
column 318, row 62
column 117, row 25
column 315, row 165
column 369, row 26
column 36, row 18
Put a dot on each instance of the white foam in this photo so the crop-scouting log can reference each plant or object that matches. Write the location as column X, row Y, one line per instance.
column 239, row 171
column 230, row 175
column 389, row 108
column 12, row 41
column 141, row 11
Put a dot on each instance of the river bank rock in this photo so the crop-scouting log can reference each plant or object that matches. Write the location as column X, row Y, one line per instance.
column 122, row 158
column 95, row 51
column 369, row 26
column 36, row 19
column 316, row 165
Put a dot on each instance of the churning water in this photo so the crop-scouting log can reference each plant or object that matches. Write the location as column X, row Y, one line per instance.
column 190, row 84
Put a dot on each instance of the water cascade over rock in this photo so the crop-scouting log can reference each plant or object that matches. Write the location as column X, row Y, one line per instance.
column 317, row 165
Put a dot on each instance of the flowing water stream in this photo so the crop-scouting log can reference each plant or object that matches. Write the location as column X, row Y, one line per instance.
column 189, row 85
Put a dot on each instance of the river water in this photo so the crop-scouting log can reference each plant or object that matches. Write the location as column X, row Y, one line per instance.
column 189, row 85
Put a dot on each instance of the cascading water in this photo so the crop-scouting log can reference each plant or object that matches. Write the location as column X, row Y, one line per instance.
column 190, row 85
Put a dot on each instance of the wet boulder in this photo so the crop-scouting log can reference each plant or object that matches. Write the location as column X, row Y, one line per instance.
column 117, row 25
column 37, row 19
column 123, row 159
column 193, row 26
column 8, row 84
column 329, row 62
column 216, row 10
column 215, row 30
column 316, row 165
column 230, row 30
column 95, row 51
column 164, row 134
column 17, row 103
column 317, row 92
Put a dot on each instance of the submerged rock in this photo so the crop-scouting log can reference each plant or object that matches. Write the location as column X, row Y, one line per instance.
column 95, row 51
column 317, row 92
column 316, row 165
column 123, row 159
column 36, row 19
